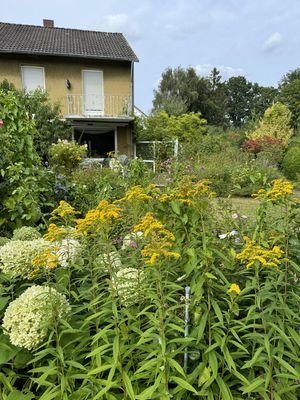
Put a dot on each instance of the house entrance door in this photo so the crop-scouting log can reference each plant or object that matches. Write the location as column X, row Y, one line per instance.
column 93, row 103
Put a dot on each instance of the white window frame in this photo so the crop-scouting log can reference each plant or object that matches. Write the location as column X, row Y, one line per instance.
column 23, row 67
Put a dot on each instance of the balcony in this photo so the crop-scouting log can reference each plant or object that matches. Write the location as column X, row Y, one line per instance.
column 98, row 106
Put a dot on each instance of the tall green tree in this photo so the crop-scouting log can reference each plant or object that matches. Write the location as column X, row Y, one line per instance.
column 183, row 90
column 177, row 87
column 263, row 97
column 216, row 101
column 290, row 94
column 239, row 100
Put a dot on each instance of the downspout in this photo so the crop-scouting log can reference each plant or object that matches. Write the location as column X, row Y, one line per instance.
column 132, row 87
column 132, row 105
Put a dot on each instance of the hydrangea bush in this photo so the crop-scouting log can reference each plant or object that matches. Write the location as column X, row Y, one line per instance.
column 16, row 257
column 28, row 318
column 26, row 233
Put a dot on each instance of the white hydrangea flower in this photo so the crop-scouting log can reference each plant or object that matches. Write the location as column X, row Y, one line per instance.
column 67, row 251
column 127, row 283
column 28, row 318
column 109, row 261
column 130, row 240
column 16, row 256
column 26, row 233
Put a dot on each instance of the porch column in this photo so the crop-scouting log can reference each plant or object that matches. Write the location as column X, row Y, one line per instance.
column 116, row 141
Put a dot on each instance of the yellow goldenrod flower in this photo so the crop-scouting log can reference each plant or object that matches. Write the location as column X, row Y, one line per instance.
column 64, row 209
column 160, row 239
column 188, row 190
column 139, row 193
column 55, row 232
column 254, row 254
column 149, row 224
column 234, row 289
column 166, row 197
column 280, row 189
column 108, row 211
column 47, row 259
column 95, row 218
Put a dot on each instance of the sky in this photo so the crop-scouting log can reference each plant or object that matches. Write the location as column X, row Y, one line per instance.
column 259, row 39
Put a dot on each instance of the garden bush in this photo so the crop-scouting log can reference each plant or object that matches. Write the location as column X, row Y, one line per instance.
column 88, row 185
column 170, row 296
column 24, row 185
column 291, row 163
column 65, row 156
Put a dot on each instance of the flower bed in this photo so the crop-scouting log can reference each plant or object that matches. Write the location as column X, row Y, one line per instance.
column 157, row 295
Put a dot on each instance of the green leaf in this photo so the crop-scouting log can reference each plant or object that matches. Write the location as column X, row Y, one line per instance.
column 217, row 311
column 147, row 366
column 175, row 207
column 288, row 367
column 205, row 376
column 173, row 363
column 148, row 393
column 22, row 358
column 253, row 360
column 210, row 276
column 213, row 363
column 3, row 302
column 254, row 386
column 224, row 389
column 182, row 383
column 7, row 350
column 128, row 386
column 17, row 395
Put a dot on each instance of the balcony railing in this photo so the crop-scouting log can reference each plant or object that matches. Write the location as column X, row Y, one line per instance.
column 93, row 105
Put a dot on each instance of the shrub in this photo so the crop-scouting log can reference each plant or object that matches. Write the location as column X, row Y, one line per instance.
column 21, row 171
column 257, row 145
column 66, row 156
column 247, row 179
column 91, row 184
column 274, row 124
column 291, row 163
column 268, row 147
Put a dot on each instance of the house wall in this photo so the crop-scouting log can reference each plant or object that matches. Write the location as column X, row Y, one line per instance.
column 116, row 75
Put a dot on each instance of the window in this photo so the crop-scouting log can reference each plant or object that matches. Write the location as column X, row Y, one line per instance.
column 92, row 92
column 33, row 78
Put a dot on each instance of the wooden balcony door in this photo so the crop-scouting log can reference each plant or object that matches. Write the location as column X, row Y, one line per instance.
column 93, row 101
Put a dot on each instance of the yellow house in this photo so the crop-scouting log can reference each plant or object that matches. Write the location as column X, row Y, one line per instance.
column 91, row 75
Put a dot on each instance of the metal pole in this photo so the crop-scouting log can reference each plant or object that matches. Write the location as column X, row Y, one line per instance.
column 186, row 328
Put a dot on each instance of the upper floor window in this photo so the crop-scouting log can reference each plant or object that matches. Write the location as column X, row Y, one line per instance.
column 33, row 78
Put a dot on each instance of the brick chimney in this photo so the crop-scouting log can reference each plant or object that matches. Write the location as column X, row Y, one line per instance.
column 48, row 23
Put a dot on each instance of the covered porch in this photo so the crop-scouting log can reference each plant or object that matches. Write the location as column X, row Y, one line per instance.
column 103, row 135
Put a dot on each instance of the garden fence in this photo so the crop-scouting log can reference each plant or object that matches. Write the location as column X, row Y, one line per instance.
column 154, row 151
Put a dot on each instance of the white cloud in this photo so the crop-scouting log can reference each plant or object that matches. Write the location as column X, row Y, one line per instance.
column 225, row 71
column 121, row 23
column 272, row 42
